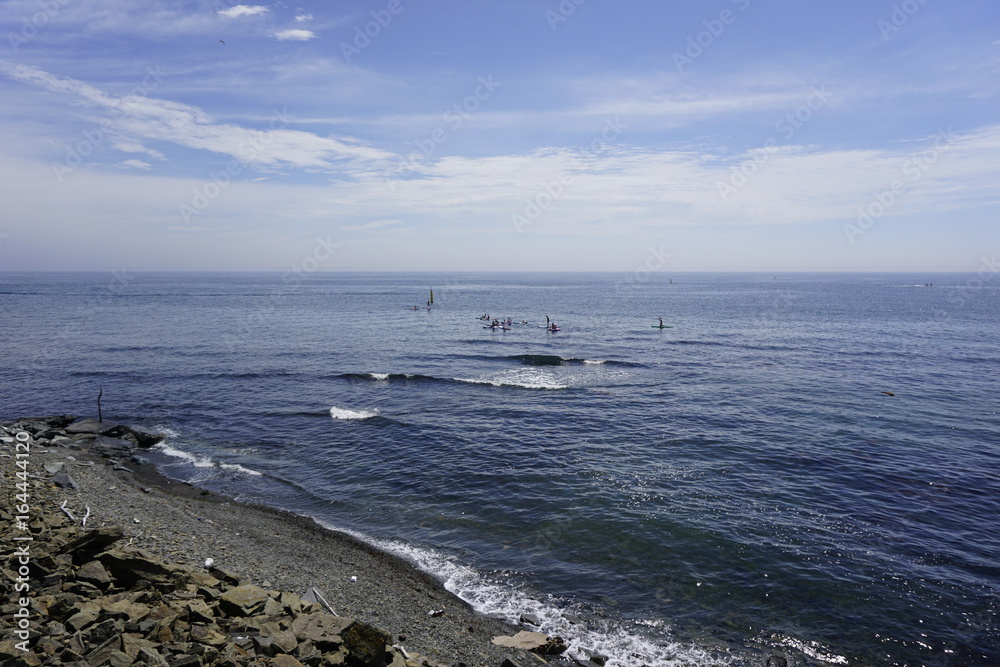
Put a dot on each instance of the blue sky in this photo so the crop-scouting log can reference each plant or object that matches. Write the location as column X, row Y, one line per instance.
column 767, row 135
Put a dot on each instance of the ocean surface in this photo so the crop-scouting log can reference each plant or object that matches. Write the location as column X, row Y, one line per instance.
column 803, row 464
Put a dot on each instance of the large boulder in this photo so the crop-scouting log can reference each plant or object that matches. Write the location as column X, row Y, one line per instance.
column 245, row 600
column 323, row 630
column 536, row 642
column 88, row 426
column 140, row 438
column 366, row 643
column 128, row 567
column 93, row 541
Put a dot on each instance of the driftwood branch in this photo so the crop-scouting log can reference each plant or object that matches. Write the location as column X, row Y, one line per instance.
column 83, row 523
column 66, row 511
column 101, row 391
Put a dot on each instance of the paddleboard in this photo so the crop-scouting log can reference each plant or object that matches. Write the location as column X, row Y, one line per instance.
column 665, row 326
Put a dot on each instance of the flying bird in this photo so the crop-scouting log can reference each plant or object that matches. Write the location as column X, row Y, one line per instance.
column 222, row 41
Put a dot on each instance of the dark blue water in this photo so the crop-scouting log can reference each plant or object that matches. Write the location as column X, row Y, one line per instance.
column 738, row 484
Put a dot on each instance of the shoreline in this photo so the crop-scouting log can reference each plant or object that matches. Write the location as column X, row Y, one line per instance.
column 271, row 548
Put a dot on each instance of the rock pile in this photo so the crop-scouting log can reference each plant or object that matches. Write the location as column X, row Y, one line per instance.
column 97, row 603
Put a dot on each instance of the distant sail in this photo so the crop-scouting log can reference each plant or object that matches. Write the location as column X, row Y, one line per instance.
column 432, row 295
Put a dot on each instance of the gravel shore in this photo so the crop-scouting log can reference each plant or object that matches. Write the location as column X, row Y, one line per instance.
column 272, row 549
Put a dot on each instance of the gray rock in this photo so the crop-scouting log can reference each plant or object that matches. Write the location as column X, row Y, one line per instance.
column 119, row 659
column 129, row 567
column 186, row 661
column 366, row 643
column 106, row 630
column 322, row 630
column 88, row 426
column 93, row 541
column 112, row 447
column 152, row 657
column 81, row 620
column 244, row 600
column 140, row 438
column 531, row 619
column 64, row 481
column 95, row 573
column 284, row 641
column 54, row 468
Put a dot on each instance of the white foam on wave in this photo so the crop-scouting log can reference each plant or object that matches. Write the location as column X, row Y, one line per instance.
column 504, row 600
column 379, row 376
column 595, row 362
column 812, row 649
column 345, row 414
column 204, row 461
column 525, row 378
column 166, row 431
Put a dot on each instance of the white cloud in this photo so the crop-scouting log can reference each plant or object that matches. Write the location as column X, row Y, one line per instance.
column 243, row 10
column 295, row 35
column 138, row 119
column 299, row 18
column 137, row 164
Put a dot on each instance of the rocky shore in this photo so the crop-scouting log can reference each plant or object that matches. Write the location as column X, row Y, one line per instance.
column 109, row 563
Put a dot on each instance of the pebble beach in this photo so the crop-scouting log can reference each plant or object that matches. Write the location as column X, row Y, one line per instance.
column 96, row 481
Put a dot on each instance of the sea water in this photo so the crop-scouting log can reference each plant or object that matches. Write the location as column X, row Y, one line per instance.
column 806, row 464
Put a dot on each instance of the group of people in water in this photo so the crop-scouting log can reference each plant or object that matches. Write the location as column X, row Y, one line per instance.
column 495, row 323
column 507, row 323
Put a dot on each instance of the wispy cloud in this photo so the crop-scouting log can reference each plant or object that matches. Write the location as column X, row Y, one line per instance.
column 243, row 10
column 295, row 35
column 140, row 119
column 137, row 164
